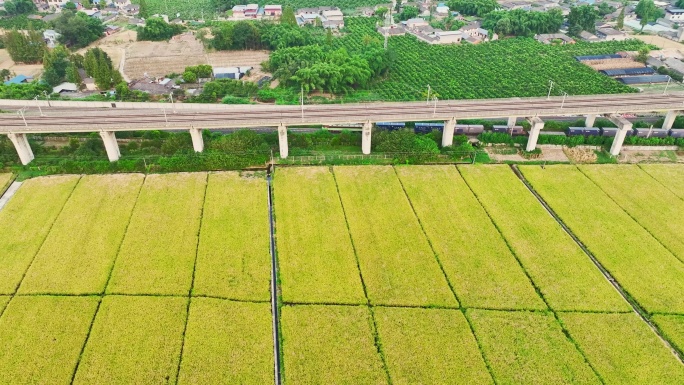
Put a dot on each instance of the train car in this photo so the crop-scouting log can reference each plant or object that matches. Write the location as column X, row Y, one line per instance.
column 651, row 132
column 424, row 128
column 343, row 127
column 474, row 129
column 515, row 130
column 575, row 131
column 612, row 131
column 391, row 126
column 677, row 133
column 592, row 131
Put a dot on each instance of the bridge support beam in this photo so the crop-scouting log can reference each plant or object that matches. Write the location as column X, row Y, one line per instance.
column 197, row 139
column 669, row 119
column 366, row 137
column 448, row 133
column 623, row 125
column 511, row 121
column 590, row 120
column 109, row 139
column 536, row 125
column 282, row 141
column 21, row 144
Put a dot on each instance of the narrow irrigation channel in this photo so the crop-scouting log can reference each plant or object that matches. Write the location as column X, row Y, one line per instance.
column 274, row 279
column 640, row 311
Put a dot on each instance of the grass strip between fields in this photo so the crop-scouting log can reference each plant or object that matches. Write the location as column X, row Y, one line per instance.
column 430, row 346
column 41, row 338
column 26, row 221
column 647, row 201
column 623, row 349
column 78, row 254
column 476, row 259
column 315, row 254
column 529, row 348
column 669, row 175
column 233, row 259
column 398, row 265
column 672, row 326
column 643, row 267
column 159, row 250
column 134, row 339
column 564, row 274
column 227, row 342
column 330, row 345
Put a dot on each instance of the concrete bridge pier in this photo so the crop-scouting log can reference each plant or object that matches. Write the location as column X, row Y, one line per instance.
column 511, row 121
column 590, row 120
column 669, row 119
column 448, row 133
column 366, row 137
column 623, row 125
column 112, row 147
column 21, row 144
column 536, row 125
column 197, row 139
column 282, row 141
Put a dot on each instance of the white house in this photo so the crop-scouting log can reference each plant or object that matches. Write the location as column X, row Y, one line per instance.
column 674, row 14
column 610, row 34
column 51, row 37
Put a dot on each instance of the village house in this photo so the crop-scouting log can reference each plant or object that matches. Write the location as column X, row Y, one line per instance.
column 611, row 34
column 329, row 17
column 273, row 11
column 121, row 4
column 549, row 38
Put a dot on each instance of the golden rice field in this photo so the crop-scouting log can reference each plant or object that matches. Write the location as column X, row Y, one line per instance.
column 386, row 275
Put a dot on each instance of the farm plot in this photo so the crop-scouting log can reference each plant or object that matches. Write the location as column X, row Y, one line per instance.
column 4, row 182
column 529, row 348
column 79, row 252
column 645, row 200
column 4, row 299
column 429, row 346
column 672, row 327
column 481, row 268
column 669, row 175
column 159, row 58
column 41, row 338
column 315, row 255
column 158, row 252
column 397, row 263
column 564, row 274
column 623, row 349
column 644, row 268
column 330, row 345
column 233, row 258
column 134, row 340
column 193, row 10
column 25, row 222
column 227, row 343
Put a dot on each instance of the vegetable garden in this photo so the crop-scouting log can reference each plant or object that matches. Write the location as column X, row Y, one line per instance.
column 387, row 274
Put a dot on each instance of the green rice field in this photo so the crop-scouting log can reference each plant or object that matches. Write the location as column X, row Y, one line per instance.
column 385, row 275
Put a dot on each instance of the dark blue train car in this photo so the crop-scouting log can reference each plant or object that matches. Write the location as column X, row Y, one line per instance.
column 575, row 131
column 592, row 131
column 677, row 133
column 424, row 128
column 390, row 126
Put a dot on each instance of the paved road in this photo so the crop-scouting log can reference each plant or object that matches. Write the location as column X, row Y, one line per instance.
column 95, row 116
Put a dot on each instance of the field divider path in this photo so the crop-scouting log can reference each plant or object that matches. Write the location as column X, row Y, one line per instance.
column 640, row 311
column 275, row 306
column 376, row 336
column 656, row 180
column 192, row 281
column 536, row 288
column 7, row 192
column 104, row 288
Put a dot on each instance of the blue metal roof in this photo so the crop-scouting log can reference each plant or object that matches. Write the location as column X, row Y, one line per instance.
column 644, row 79
column 19, row 79
column 629, row 71
column 597, row 57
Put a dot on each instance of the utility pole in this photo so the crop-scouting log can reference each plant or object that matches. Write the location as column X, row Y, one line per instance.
column 434, row 111
column 427, row 101
column 48, row 97
column 548, row 96
column 38, row 104
column 21, row 112
column 301, row 98
column 565, row 94
column 666, row 85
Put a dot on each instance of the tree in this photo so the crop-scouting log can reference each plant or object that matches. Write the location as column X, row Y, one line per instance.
column 680, row 4
column 409, row 12
column 69, row 6
column 72, row 75
column 381, row 12
column 19, row 7
column 329, row 37
column 621, row 18
column 582, row 18
column 143, row 12
column 605, row 9
column 98, row 65
column 189, row 77
column 246, row 36
column 26, row 47
column 647, row 12
column 77, row 29
column 156, row 29
column 642, row 56
column 474, row 7
column 55, row 64
column 288, row 16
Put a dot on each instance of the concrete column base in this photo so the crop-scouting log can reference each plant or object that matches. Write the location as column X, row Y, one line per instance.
column 623, row 125
column 21, row 144
column 448, row 132
column 197, row 139
column 536, row 125
column 366, row 138
column 282, row 141
column 112, row 147
column 590, row 120
column 669, row 119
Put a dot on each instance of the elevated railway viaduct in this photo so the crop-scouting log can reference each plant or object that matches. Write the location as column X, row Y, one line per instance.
column 21, row 117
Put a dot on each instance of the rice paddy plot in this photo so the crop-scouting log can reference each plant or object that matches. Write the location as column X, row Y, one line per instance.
column 398, row 265
column 641, row 264
column 158, row 252
column 623, row 349
column 429, row 346
column 4, row 182
column 227, row 343
column 329, row 345
column 134, row 340
column 561, row 270
column 4, row 299
column 672, row 327
column 41, row 338
column 25, row 222
column 483, row 271
column 669, row 175
column 644, row 199
column 78, row 254
column 233, row 259
column 315, row 255
column 529, row 348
